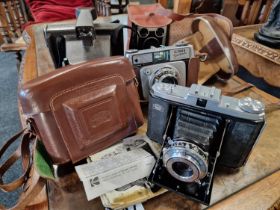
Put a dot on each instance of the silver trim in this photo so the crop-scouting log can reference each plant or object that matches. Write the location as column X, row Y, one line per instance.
column 156, row 73
column 214, row 100
column 146, row 56
column 189, row 154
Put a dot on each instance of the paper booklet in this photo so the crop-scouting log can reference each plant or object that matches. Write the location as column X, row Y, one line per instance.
column 118, row 175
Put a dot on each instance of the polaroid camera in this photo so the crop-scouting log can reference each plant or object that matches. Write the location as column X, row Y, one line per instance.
column 83, row 41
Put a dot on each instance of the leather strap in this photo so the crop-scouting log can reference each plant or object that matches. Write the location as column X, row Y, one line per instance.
column 24, row 151
column 212, row 48
column 170, row 14
column 272, row 107
column 193, row 66
column 238, row 89
column 30, row 181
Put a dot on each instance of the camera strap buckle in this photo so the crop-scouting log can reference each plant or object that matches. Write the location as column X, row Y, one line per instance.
column 136, row 82
column 202, row 56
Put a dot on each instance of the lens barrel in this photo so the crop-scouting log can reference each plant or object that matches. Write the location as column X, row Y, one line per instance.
column 185, row 161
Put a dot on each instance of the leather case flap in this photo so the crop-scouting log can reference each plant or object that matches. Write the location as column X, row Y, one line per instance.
column 146, row 16
column 89, row 114
column 36, row 94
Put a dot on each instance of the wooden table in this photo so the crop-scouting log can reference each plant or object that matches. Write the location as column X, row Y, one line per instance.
column 230, row 190
column 258, row 59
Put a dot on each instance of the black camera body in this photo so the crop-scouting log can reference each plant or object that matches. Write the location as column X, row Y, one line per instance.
column 84, row 40
column 146, row 37
column 199, row 129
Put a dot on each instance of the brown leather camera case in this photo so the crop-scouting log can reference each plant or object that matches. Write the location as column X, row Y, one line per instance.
column 82, row 109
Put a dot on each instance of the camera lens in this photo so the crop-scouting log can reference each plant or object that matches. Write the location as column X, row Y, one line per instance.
column 182, row 169
column 143, row 32
column 170, row 80
column 185, row 161
column 150, row 42
column 160, row 32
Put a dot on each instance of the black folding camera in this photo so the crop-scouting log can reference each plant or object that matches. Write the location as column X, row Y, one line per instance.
column 85, row 40
column 198, row 128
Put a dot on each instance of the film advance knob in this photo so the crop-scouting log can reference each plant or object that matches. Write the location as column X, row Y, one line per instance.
column 250, row 105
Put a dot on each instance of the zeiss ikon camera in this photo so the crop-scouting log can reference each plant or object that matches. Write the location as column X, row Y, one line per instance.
column 164, row 64
column 199, row 129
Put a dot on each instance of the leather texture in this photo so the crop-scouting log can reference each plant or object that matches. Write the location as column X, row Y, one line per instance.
column 216, row 44
column 30, row 181
column 82, row 109
column 209, row 34
column 148, row 15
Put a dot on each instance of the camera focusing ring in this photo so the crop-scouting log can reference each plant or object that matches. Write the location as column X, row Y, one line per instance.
column 166, row 72
column 185, row 161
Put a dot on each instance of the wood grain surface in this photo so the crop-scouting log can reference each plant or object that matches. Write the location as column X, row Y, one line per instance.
column 261, row 163
column 259, row 60
column 258, row 196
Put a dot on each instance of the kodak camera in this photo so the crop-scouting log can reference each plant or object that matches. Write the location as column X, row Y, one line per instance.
column 84, row 40
column 164, row 64
column 199, row 129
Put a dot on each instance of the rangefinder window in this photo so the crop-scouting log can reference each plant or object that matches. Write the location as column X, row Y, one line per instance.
column 201, row 102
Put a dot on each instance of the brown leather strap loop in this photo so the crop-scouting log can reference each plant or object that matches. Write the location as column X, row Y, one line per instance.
column 9, row 162
column 212, row 48
column 23, row 151
column 30, row 180
column 10, row 141
column 193, row 66
column 238, row 89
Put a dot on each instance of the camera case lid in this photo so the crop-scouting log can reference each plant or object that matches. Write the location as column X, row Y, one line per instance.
column 147, row 15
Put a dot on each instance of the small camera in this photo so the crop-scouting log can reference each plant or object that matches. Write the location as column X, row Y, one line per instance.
column 164, row 64
column 199, row 129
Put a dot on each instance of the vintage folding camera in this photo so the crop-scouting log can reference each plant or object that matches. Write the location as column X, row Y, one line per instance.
column 164, row 64
column 199, row 129
column 84, row 40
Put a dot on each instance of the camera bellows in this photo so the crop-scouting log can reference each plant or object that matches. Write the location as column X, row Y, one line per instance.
column 198, row 128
